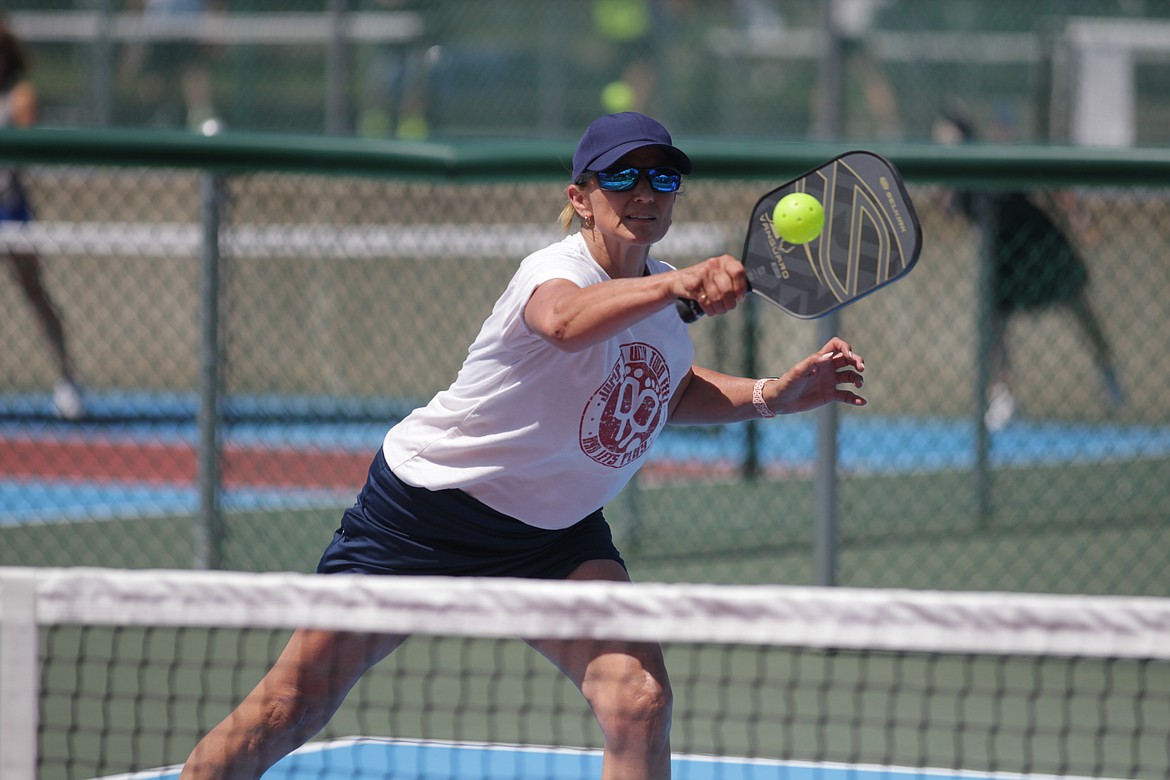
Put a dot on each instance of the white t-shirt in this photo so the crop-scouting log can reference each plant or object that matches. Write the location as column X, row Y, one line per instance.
column 538, row 433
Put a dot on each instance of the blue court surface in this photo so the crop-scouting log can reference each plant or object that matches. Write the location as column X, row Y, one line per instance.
column 363, row 757
column 869, row 444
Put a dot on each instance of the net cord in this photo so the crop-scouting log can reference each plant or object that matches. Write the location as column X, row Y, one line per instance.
column 840, row 618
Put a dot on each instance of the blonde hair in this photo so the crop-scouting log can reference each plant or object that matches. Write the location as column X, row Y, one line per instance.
column 567, row 214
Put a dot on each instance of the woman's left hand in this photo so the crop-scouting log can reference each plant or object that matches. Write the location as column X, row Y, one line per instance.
column 817, row 380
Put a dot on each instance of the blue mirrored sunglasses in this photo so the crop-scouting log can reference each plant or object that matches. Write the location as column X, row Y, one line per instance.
column 661, row 179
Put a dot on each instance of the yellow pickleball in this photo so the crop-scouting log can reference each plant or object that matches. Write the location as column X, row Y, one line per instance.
column 798, row 218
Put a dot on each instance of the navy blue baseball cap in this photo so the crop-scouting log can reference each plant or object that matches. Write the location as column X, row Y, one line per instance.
column 610, row 137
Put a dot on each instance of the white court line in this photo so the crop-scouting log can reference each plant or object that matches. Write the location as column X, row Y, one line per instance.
column 688, row 243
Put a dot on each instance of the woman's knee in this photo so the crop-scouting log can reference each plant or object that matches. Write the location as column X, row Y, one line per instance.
column 290, row 712
column 631, row 694
column 310, row 680
column 295, row 702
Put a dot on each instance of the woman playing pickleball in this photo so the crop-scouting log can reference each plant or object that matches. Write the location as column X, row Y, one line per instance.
column 576, row 371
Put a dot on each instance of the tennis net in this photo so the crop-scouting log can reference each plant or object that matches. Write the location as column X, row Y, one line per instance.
column 107, row 672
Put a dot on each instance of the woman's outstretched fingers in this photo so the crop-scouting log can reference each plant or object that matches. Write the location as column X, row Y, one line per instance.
column 848, row 366
column 841, row 351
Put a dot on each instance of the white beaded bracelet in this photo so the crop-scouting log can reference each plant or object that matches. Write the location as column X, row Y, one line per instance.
column 758, row 396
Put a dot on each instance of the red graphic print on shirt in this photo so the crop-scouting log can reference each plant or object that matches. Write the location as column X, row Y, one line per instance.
column 625, row 414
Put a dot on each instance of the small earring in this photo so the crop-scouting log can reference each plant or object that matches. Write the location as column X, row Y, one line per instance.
column 587, row 222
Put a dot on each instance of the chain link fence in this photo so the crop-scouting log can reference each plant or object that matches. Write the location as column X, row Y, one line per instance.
column 341, row 301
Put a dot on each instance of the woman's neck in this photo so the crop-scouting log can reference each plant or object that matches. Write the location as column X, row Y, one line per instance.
column 619, row 259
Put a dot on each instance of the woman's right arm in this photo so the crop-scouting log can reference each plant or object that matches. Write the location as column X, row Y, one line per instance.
column 574, row 318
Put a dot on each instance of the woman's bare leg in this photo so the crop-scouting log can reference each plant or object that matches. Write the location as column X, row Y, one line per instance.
column 293, row 702
column 626, row 685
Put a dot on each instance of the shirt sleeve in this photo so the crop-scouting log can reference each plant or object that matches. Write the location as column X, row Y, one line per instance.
column 535, row 270
column 541, row 267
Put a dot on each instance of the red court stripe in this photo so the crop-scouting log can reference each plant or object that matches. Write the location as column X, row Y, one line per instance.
column 152, row 462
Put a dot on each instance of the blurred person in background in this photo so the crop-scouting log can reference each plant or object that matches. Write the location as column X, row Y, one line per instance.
column 1035, row 267
column 625, row 30
column 18, row 108
column 394, row 93
column 172, row 71
column 865, row 81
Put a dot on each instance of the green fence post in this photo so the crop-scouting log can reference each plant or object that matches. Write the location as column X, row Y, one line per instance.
column 829, row 122
column 983, row 347
column 208, row 526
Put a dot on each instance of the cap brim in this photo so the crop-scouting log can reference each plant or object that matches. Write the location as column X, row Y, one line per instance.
column 677, row 158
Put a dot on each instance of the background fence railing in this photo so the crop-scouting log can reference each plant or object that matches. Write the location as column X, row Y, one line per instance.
column 1063, row 71
column 347, row 278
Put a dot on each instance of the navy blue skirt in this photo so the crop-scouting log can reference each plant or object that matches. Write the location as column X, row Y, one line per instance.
column 396, row 528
